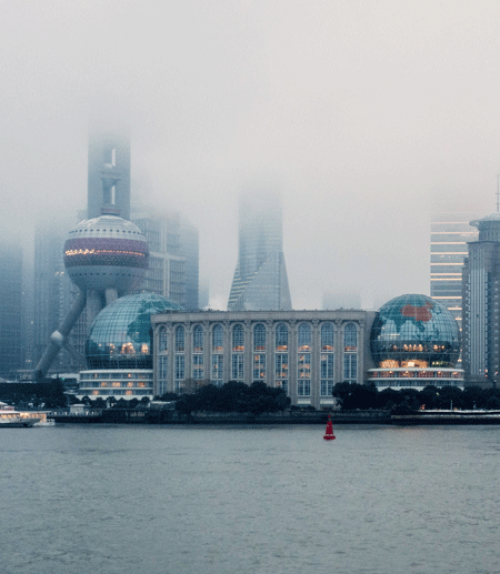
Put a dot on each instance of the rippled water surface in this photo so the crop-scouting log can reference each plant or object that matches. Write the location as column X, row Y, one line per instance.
column 169, row 500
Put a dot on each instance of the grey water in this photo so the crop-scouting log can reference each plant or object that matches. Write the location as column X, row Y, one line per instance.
column 175, row 500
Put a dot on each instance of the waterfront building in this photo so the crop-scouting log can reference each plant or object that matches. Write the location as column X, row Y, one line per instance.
column 260, row 281
column 118, row 350
column 11, row 264
column 415, row 341
column 303, row 352
column 481, row 304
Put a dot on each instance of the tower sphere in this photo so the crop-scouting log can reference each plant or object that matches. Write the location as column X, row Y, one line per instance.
column 121, row 335
column 106, row 252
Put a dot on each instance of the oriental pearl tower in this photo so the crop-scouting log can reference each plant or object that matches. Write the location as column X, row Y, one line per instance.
column 105, row 256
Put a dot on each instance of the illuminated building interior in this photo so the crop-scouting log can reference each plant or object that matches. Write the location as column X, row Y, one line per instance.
column 119, row 348
column 415, row 341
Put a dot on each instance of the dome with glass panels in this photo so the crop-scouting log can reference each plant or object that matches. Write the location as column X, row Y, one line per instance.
column 121, row 335
column 414, row 331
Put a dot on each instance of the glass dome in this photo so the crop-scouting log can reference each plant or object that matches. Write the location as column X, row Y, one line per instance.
column 414, row 331
column 121, row 337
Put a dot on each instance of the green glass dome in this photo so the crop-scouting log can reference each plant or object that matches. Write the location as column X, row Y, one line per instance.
column 415, row 330
column 121, row 335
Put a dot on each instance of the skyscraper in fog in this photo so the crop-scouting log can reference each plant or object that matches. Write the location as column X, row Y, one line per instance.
column 173, row 257
column 450, row 233
column 260, row 280
column 108, row 173
column 481, row 304
column 10, row 310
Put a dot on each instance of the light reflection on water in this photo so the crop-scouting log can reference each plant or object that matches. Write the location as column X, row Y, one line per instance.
column 170, row 500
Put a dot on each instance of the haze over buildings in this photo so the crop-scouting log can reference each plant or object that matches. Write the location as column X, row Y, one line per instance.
column 362, row 112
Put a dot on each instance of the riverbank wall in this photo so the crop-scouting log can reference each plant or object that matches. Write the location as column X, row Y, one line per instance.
column 132, row 416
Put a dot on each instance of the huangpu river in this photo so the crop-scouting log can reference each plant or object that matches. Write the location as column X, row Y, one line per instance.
column 223, row 500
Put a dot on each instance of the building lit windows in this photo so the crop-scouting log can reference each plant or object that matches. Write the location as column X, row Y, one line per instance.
column 282, row 338
column 350, row 353
column 198, row 371
column 327, row 338
column 217, row 339
column 281, row 370
column 198, row 339
column 259, row 337
column 281, row 373
column 217, row 360
column 216, row 371
column 304, row 337
column 327, row 359
column 238, row 339
column 259, row 357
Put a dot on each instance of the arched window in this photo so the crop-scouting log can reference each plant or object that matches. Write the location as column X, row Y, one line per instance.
column 350, row 353
column 259, row 337
column 327, row 340
column 282, row 338
column 179, row 339
column 163, row 340
column 327, row 359
column 238, row 341
column 217, row 339
column 198, row 339
column 350, row 338
column 304, row 337
column 304, row 361
column 217, row 360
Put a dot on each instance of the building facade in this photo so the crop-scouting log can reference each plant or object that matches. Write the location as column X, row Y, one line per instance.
column 451, row 231
column 481, row 304
column 173, row 257
column 260, row 281
column 303, row 352
column 11, row 285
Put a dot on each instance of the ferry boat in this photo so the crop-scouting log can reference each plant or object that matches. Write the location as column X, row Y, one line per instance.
column 11, row 418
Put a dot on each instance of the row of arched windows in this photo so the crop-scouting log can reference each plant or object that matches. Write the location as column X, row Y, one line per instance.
column 350, row 335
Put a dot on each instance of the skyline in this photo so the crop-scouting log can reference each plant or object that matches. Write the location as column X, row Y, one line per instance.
column 359, row 115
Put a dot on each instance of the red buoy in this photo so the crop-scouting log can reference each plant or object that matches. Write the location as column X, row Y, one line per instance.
column 329, row 430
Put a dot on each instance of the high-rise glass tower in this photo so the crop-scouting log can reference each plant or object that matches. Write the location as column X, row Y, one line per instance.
column 260, row 280
column 450, row 233
column 10, row 310
column 481, row 304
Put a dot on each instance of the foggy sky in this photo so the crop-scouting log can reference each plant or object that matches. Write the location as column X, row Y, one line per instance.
column 358, row 112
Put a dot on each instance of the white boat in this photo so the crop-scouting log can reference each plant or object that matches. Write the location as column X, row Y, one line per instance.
column 11, row 418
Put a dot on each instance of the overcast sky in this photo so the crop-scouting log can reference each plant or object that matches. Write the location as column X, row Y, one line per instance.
column 358, row 112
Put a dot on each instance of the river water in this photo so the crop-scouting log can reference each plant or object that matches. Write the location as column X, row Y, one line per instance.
column 219, row 500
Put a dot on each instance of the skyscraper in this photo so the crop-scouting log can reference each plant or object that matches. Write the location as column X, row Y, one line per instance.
column 481, row 304
column 450, row 233
column 173, row 258
column 260, row 281
column 10, row 310
column 108, row 173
